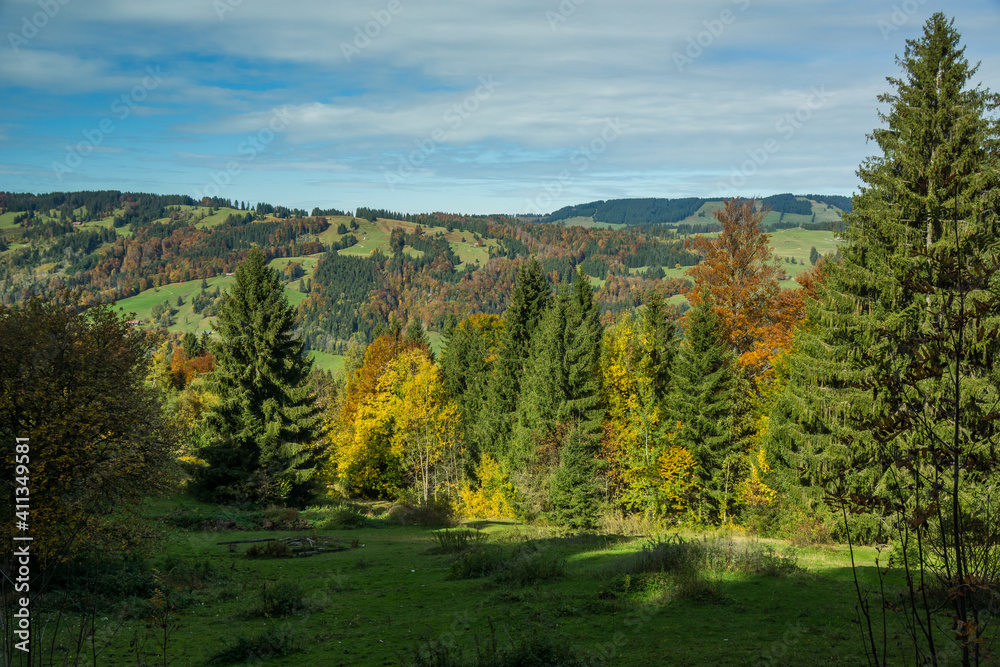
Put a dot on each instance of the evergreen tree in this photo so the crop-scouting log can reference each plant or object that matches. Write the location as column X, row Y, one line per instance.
column 703, row 404
column 576, row 494
column 813, row 255
column 910, row 315
column 466, row 367
column 265, row 423
column 938, row 163
column 580, row 404
column 415, row 333
column 663, row 331
column 529, row 301
column 543, row 390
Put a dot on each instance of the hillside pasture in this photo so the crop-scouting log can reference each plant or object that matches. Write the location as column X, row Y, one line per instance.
column 511, row 593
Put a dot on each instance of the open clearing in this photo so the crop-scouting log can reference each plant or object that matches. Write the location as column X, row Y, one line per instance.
column 389, row 595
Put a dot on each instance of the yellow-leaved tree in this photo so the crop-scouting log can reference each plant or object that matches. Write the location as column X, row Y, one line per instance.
column 358, row 459
column 646, row 471
column 424, row 422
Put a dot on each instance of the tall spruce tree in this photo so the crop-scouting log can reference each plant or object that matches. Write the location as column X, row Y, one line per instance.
column 266, row 420
column 702, row 402
column 529, row 301
column 543, row 389
column 580, row 404
column 893, row 392
column 938, row 162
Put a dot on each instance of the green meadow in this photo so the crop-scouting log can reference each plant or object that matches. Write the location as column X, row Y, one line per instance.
column 384, row 591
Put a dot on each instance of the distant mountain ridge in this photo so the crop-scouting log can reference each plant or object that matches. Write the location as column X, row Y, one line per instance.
column 655, row 210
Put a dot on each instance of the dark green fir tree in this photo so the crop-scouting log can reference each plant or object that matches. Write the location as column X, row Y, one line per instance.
column 938, row 160
column 262, row 430
column 703, row 403
column 529, row 300
column 576, row 493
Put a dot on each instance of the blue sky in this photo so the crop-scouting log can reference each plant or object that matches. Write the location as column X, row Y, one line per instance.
column 478, row 106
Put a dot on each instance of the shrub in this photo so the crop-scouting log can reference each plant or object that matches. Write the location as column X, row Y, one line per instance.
column 677, row 556
column 344, row 517
column 481, row 561
column 456, row 541
column 272, row 642
column 407, row 512
column 539, row 648
column 519, row 566
column 282, row 598
column 530, row 565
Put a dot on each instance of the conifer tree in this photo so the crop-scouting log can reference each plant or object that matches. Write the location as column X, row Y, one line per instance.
column 703, row 404
column 938, row 162
column 529, row 300
column 580, row 404
column 415, row 333
column 543, row 389
column 576, row 494
column 893, row 392
column 266, row 420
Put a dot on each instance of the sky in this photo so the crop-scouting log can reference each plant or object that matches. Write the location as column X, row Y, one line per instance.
column 498, row 106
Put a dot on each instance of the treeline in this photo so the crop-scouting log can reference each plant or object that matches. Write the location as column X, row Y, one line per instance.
column 657, row 211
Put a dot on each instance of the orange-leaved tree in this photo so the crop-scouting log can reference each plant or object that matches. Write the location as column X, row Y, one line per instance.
column 738, row 276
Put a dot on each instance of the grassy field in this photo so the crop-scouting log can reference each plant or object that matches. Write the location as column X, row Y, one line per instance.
column 326, row 361
column 590, row 223
column 392, row 594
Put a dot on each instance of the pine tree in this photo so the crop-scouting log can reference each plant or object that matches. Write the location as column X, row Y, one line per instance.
column 702, row 402
column 529, row 301
column 266, row 420
column 576, row 495
column 892, row 397
column 580, row 403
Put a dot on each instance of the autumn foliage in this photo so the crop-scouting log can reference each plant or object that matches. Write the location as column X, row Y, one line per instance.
column 738, row 276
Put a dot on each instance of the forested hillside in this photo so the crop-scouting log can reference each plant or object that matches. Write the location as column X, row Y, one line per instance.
column 350, row 276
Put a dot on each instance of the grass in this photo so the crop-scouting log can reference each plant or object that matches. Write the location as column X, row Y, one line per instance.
column 390, row 597
column 185, row 319
column 327, row 361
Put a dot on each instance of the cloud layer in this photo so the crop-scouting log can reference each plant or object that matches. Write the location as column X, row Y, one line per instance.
column 483, row 106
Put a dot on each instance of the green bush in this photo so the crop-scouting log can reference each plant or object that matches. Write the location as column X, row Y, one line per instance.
column 272, row 642
column 517, row 566
column 529, row 565
column 283, row 598
column 677, row 556
column 540, row 648
column 481, row 561
column 456, row 541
